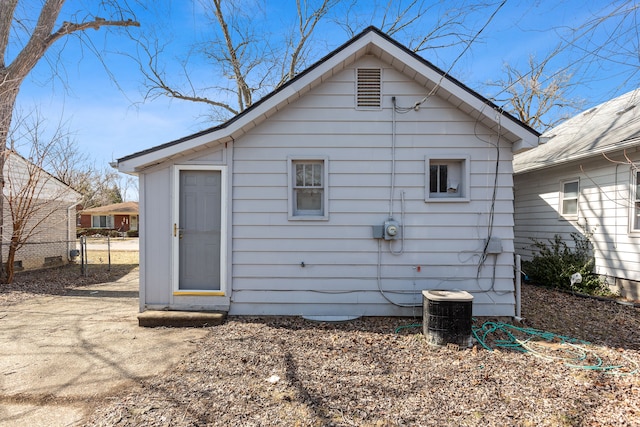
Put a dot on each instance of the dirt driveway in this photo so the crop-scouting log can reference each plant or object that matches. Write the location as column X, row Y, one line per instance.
column 62, row 355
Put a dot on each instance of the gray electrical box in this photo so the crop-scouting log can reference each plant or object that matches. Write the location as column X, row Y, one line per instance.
column 494, row 246
column 378, row 231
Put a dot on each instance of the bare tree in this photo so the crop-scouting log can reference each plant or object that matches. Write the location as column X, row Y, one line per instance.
column 540, row 94
column 536, row 96
column 422, row 25
column 30, row 32
column 34, row 199
column 98, row 186
column 246, row 60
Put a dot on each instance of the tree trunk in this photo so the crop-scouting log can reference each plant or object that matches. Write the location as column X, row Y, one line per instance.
column 8, row 94
column 9, row 270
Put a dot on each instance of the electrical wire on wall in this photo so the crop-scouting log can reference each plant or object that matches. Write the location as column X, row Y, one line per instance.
column 415, row 107
column 401, row 251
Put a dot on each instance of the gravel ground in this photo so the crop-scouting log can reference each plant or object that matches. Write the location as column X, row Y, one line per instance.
column 286, row 371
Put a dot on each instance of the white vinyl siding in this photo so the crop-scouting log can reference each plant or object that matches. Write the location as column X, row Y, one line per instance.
column 570, row 192
column 340, row 255
column 281, row 263
column 605, row 204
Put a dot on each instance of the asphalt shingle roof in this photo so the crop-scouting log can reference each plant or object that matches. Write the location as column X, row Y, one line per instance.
column 612, row 125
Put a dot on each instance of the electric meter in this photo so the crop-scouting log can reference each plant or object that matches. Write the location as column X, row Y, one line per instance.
column 391, row 229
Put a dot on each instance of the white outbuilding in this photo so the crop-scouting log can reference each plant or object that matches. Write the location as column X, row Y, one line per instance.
column 366, row 179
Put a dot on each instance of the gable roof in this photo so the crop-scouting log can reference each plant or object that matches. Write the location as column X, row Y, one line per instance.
column 611, row 126
column 125, row 208
column 370, row 42
column 18, row 167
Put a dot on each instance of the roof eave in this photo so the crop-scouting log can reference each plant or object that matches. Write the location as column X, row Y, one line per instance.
column 621, row 146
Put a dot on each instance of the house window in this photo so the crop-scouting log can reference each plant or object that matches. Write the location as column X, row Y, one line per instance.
column 447, row 178
column 635, row 221
column 101, row 221
column 369, row 88
column 308, row 188
column 569, row 198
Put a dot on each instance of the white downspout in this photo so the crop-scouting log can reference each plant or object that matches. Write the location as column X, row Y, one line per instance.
column 518, row 288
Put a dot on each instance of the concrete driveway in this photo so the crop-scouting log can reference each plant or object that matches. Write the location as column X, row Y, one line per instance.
column 62, row 355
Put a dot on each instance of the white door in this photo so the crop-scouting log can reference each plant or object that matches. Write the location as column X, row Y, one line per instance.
column 199, row 230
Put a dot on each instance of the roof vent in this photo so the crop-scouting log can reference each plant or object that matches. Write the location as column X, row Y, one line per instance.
column 369, row 88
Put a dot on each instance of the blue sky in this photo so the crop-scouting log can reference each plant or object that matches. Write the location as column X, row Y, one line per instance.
column 110, row 121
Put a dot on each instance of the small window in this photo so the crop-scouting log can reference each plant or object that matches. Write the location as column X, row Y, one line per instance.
column 635, row 220
column 569, row 198
column 308, row 192
column 102, row 221
column 369, row 88
column 447, row 179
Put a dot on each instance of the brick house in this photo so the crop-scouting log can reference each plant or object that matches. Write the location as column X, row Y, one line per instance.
column 119, row 216
column 51, row 219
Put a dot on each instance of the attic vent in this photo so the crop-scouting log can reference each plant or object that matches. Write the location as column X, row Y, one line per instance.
column 369, row 87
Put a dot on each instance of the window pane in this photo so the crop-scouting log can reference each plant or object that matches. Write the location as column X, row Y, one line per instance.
column 443, row 179
column 570, row 207
column 636, row 217
column 570, row 190
column 309, row 200
column 433, row 178
column 300, row 175
column 317, row 175
column 308, row 175
column 637, row 185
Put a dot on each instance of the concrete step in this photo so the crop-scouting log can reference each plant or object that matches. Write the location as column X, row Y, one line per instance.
column 180, row 319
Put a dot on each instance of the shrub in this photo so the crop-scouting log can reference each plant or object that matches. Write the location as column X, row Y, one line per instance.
column 97, row 232
column 132, row 233
column 554, row 262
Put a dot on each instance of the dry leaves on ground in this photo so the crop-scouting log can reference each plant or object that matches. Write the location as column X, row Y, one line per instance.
column 291, row 372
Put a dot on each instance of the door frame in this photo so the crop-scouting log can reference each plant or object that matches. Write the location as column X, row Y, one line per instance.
column 175, row 239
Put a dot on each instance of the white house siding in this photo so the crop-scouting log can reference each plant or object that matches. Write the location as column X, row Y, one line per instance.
column 339, row 277
column 604, row 207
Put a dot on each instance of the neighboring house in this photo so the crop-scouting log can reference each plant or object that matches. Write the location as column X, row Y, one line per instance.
column 118, row 216
column 586, row 179
column 322, row 199
column 51, row 207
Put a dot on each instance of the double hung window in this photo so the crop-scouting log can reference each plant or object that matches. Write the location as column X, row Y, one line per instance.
column 569, row 198
column 308, row 192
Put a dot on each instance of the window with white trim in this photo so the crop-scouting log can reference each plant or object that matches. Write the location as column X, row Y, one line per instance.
column 447, row 178
column 102, row 221
column 569, row 198
column 635, row 184
column 308, row 194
